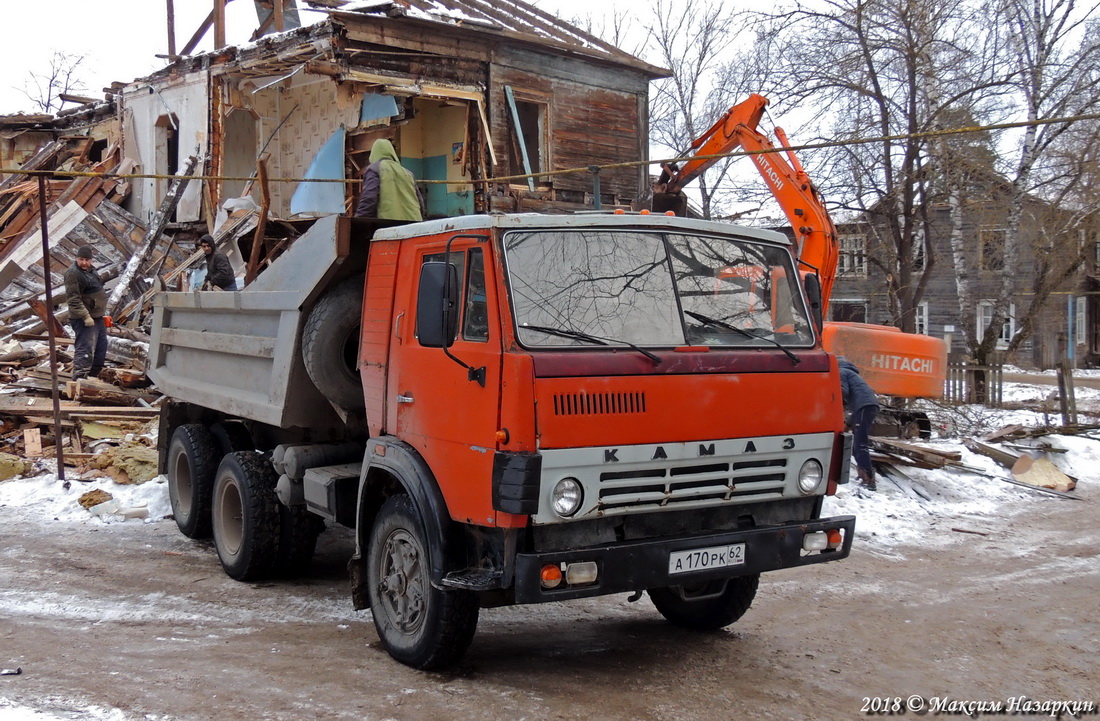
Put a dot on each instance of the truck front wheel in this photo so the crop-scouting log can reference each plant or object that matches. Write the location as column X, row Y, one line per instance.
column 418, row 624
column 706, row 606
column 192, row 459
column 246, row 515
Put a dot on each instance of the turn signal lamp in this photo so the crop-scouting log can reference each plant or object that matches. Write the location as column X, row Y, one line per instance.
column 550, row 576
column 835, row 537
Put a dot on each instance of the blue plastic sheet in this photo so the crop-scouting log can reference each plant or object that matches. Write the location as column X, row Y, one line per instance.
column 323, row 198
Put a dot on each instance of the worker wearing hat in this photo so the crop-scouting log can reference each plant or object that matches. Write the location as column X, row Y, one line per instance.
column 87, row 306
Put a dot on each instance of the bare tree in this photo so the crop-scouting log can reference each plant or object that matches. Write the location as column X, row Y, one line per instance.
column 1056, row 53
column 61, row 77
column 892, row 70
column 711, row 53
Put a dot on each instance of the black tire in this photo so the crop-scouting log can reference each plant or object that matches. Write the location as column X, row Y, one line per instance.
column 701, row 607
column 330, row 344
column 192, row 460
column 298, row 532
column 232, row 436
column 419, row 625
column 245, row 515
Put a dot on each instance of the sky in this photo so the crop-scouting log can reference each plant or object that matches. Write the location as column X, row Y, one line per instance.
column 121, row 38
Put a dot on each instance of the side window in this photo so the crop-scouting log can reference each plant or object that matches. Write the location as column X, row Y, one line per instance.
column 470, row 267
column 475, row 314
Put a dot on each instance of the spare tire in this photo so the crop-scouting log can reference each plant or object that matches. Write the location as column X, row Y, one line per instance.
column 330, row 344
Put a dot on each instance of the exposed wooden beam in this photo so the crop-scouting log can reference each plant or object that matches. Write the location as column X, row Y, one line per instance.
column 171, row 29
column 197, row 37
column 219, row 24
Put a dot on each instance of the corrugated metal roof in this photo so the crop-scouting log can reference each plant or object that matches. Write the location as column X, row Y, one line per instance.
column 507, row 17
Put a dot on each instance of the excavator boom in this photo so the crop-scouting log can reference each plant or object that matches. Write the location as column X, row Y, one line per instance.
column 800, row 200
column 894, row 363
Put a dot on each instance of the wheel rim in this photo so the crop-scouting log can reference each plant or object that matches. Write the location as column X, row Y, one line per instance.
column 401, row 582
column 181, row 476
column 229, row 518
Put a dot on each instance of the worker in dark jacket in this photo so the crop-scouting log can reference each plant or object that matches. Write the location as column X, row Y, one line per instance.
column 861, row 406
column 87, row 305
column 219, row 272
column 389, row 189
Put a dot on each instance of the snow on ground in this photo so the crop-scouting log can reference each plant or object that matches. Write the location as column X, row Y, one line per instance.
column 45, row 498
column 915, row 508
column 921, row 506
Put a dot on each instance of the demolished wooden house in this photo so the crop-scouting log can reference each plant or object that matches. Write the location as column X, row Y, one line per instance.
column 488, row 103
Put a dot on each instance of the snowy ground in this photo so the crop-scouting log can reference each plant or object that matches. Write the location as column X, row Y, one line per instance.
column 921, row 508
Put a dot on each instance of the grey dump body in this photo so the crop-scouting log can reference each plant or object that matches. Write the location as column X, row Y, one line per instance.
column 239, row 352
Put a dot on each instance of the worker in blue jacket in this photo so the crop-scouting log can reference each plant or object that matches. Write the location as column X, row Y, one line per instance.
column 861, row 406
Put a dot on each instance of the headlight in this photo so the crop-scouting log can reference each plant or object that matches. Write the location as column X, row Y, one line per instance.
column 567, row 497
column 809, row 476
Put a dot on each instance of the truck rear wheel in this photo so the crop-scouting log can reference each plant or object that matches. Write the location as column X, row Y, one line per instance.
column 419, row 625
column 330, row 344
column 706, row 606
column 192, row 460
column 246, row 515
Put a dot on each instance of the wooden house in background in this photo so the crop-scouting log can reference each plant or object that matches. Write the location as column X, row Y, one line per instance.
column 1071, row 314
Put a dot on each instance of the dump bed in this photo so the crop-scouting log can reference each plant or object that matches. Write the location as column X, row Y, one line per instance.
column 239, row 352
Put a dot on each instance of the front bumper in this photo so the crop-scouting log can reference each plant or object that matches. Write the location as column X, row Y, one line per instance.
column 638, row 565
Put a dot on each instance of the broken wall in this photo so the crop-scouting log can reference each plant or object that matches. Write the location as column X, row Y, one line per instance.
column 164, row 122
column 310, row 109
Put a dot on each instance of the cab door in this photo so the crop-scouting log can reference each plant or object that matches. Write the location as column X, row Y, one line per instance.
column 446, row 402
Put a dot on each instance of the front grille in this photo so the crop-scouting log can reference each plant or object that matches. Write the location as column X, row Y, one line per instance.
column 598, row 404
column 692, row 484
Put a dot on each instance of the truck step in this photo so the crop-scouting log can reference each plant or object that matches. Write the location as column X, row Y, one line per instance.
column 473, row 579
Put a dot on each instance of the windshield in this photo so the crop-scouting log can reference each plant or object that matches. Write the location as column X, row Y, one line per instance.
column 608, row 287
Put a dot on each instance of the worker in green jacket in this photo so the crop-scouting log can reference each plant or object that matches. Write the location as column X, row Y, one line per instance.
column 389, row 189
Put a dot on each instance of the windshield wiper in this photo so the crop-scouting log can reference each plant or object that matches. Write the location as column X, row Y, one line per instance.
column 722, row 324
column 579, row 335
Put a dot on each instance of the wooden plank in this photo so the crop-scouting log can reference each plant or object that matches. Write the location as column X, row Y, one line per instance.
column 1005, row 458
column 32, row 441
column 935, row 459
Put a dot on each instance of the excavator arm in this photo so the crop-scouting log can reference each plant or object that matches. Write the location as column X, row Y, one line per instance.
column 898, row 364
column 815, row 234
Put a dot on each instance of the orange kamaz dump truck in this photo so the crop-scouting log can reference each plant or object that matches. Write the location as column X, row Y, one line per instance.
column 510, row 409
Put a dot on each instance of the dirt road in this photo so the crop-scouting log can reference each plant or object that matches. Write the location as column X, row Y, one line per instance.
column 140, row 619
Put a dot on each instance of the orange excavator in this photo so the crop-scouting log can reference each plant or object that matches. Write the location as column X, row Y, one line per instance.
column 900, row 366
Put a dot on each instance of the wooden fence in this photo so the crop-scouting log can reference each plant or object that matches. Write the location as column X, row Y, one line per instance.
column 968, row 382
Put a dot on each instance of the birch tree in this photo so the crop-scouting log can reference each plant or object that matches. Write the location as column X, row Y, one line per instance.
column 1056, row 54
column 894, row 70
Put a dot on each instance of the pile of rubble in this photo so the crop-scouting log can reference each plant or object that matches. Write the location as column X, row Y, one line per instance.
column 1023, row 452
column 81, row 210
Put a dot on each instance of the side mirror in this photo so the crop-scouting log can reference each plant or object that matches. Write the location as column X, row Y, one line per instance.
column 437, row 305
column 812, row 285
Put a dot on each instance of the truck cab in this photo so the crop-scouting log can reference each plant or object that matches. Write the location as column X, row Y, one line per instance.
column 552, row 407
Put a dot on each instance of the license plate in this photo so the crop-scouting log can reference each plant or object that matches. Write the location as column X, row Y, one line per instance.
column 702, row 559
